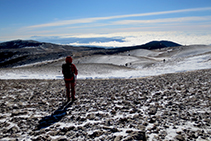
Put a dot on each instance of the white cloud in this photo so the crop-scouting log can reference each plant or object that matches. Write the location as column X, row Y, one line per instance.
column 65, row 22
column 138, row 38
column 91, row 20
column 167, row 20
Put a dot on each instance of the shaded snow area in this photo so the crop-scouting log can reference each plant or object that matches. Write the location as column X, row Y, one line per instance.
column 132, row 64
column 166, row 107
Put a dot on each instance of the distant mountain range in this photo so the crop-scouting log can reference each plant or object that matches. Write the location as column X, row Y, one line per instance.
column 20, row 52
column 19, row 44
column 31, row 43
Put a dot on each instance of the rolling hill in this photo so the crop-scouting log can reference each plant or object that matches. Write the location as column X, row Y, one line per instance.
column 21, row 52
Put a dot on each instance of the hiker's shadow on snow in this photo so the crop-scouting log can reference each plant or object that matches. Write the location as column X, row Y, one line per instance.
column 56, row 116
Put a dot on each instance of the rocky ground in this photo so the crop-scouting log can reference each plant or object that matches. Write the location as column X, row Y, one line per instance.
column 167, row 107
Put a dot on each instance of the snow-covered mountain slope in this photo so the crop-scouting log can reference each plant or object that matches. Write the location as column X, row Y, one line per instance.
column 130, row 64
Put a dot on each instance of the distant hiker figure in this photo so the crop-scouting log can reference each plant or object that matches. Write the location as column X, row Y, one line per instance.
column 70, row 73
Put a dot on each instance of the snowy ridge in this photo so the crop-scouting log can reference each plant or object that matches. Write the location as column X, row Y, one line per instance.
column 131, row 64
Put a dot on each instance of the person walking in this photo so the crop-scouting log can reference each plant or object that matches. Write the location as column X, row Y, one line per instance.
column 70, row 73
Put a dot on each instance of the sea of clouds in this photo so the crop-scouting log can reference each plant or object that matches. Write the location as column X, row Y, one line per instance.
column 124, row 39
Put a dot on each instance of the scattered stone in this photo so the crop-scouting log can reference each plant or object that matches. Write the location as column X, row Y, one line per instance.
column 138, row 135
column 41, row 138
column 113, row 111
column 141, row 127
column 4, row 124
column 91, row 116
column 118, row 138
column 17, row 113
column 96, row 134
column 179, row 132
column 122, row 120
column 13, row 130
column 129, row 131
column 179, row 138
column 53, row 133
column 152, row 110
column 61, row 139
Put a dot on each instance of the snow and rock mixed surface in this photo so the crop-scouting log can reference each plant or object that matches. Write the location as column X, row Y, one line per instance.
column 166, row 99
column 166, row 107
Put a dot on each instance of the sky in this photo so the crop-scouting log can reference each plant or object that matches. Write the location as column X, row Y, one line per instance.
column 107, row 23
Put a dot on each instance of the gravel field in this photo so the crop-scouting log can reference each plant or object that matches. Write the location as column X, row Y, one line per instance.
column 166, row 107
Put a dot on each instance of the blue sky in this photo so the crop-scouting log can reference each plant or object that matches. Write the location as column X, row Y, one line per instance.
column 106, row 22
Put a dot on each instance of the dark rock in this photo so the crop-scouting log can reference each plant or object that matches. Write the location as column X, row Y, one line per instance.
column 138, row 135
column 179, row 138
column 53, row 133
column 152, row 110
column 108, row 122
column 141, row 127
column 113, row 112
column 41, row 138
column 114, row 130
column 145, row 123
column 17, row 113
column 129, row 131
column 129, row 138
column 91, row 116
column 96, row 134
column 60, row 139
column 152, row 120
column 66, row 129
column 133, row 111
column 158, row 93
column 111, row 129
column 166, row 126
column 136, row 102
column 194, row 119
column 179, row 132
column 70, row 134
column 4, row 124
column 118, row 138
column 13, row 130
column 122, row 120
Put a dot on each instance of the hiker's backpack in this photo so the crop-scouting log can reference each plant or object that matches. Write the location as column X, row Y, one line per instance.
column 67, row 71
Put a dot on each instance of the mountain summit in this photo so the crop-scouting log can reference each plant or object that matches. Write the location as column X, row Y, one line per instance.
column 159, row 44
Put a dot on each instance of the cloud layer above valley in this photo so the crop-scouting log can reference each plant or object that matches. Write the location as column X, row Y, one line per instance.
column 124, row 39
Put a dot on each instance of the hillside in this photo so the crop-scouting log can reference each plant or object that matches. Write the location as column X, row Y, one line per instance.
column 19, row 44
column 21, row 52
column 44, row 62
column 18, row 52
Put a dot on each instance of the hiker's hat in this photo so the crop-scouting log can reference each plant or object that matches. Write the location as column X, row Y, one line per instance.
column 68, row 59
